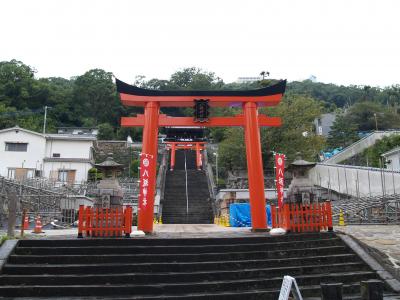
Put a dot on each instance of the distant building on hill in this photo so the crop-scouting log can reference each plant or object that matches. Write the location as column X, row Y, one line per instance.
column 248, row 79
column 78, row 130
column 392, row 158
column 324, row 123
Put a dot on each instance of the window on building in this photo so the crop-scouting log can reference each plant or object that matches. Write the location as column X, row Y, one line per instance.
column 11, row 173
column 56, row 155
column 30, row 173
column 66, row 176
column 17, row 147
column 62, row 175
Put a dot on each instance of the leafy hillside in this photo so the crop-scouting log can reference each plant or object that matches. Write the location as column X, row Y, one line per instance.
column 90, row 99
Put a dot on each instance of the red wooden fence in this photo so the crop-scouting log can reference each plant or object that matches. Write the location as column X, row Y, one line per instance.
column 104, row 222
column 302, row 217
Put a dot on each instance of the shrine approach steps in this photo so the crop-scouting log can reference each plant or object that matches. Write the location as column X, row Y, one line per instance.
column 180, row 268
column 191, row 205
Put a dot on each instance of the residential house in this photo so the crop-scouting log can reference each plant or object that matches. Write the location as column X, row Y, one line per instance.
column 64, row 158
column 392, row 158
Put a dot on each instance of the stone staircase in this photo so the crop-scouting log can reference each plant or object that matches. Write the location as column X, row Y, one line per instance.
column 180, row 268
column 193, row 208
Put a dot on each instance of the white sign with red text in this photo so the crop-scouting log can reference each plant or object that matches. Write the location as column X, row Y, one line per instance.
column 280, row 176
column 146, row 162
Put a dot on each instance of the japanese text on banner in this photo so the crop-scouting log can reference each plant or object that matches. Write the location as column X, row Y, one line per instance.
column 280, row 174
column 145, row 179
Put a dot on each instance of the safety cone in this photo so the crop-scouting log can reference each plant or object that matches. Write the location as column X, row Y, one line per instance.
column 26, row 222
column 341, row 218
column 38, row 225
column 227, row 223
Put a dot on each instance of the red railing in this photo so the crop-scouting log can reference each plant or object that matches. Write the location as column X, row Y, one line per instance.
column 302, row 217
column 104, row 222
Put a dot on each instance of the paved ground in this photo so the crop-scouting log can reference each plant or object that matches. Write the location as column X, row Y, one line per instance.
column 164, row 230
column 385, row 238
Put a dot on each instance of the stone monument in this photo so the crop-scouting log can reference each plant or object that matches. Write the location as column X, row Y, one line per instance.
column 301, row 189
column 109, row 193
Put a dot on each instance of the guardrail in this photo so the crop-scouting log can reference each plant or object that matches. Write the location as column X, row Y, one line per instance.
column 303, row 217
column 104, row 222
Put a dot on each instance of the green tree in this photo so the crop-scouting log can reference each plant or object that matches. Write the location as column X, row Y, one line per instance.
column 343, row 132
column 195, row 79
column 17, row 84
column 297, row 131
column 95, row 97
column 232, row 151
column 106, row 132
column 295, row 135
column 7, row 115
column 363, row 115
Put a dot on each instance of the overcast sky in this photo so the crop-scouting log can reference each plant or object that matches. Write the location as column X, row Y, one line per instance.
column 344, row 42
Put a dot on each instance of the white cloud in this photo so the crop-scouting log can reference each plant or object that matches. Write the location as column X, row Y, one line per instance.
column 345, row 42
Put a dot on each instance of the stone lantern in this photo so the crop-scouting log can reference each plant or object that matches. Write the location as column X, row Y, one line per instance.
column 301, row 189
column 109, row 193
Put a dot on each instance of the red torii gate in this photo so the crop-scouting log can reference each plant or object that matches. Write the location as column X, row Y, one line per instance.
column 250, row 100
column 198, row 146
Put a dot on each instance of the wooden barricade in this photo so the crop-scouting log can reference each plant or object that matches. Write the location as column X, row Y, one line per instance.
column 104, row 222
column 303, row 217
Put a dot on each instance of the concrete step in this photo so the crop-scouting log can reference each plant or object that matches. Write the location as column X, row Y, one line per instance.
column 178, row 288
column 181, row 266
column 175, row 268
column 267, row 294
column 178, row 241
column 184, row 257
column 176, row 277
column 174, row 249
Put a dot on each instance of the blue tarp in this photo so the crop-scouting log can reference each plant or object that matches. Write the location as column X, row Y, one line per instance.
column 239, row 215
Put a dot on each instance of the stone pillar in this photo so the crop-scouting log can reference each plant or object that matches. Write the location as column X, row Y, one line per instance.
column 372, row 290
column 331, row 291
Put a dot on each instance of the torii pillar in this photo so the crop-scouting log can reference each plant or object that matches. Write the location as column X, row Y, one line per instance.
column 150, row 146
column 255, row 171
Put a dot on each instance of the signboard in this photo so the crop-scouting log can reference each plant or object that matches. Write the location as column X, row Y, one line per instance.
column 280, row 174
column 289, row 284
column 145, row 185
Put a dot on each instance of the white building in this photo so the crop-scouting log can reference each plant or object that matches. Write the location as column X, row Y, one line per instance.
column 59, row 157
column 248, row 79
column 392, row 159
column 324, row 123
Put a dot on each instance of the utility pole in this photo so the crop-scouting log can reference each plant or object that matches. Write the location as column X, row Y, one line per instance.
column 216, row 167
column 12, row 210
column 376, row 122
column 45, row 119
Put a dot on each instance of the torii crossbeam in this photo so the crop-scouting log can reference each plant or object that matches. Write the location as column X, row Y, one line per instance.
column 249, row 100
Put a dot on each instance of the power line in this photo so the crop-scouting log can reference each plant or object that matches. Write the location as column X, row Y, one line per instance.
column 22, row 113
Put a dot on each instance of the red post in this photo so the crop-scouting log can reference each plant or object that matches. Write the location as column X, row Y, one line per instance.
column 273, row 224
column 80, row 220
column 329, row 215
column 150, row 146
column 198, row 156
column 128, row 221
column 173, row 148
column 255, row 167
